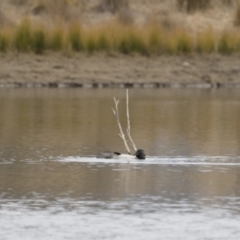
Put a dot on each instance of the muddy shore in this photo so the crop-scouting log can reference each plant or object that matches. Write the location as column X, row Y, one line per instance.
column 101, row 70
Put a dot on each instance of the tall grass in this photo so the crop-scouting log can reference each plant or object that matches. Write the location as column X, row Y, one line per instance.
column 75, row 37
column 38, row 41
column 228, row 42
column 182, row 42
column 147, row 40
column 4, row 41
column 22, row 37
column 56, row 39
column 103, row 42
column 206, row 41
column 133, row 41
column 156, row 40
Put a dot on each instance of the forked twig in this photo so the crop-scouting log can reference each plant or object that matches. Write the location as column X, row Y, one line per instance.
column 121, row 134
column 128, row 121
column 115, row 112
column 127, row 141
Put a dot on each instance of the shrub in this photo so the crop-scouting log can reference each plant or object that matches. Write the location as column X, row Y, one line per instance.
column 228, row 42
column 156, row 41
column 103, row 43
column 133, row 41
column 179, row 41
column 206, row 42
column 22, row 36
column 125, row 16
column 193, row 5
column 113, row 5
column 3, row 42
column 75, row 37
column 56, row 40
column 57, row 9
column 91, row 44
column 237, row 15
column 38, row 41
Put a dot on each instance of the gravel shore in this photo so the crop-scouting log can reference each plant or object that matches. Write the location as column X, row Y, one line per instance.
column 101, row 70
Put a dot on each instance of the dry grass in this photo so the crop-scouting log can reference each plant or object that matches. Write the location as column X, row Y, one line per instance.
column 229, row 42
column 22, row 36
column 75, row 38
column 4, row 41
column 61, row 25
column 56, row 39
column 152, row 39
column 206, row 41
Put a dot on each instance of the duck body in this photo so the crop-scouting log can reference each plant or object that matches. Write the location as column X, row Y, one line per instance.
column 139, row 154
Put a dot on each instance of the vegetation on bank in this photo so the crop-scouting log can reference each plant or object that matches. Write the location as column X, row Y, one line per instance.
column 56, row 26
column 151, row 39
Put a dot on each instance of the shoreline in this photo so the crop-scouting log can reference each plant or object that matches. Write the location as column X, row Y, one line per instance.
column 155, row 85
column 55, row 70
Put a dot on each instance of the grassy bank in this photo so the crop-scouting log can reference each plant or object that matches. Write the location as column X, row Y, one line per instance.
column 147, row 40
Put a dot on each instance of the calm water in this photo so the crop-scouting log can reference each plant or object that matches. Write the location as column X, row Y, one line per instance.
column 52, row 186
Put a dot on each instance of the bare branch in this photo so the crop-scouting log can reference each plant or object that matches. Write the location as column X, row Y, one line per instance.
column 115, row 112
column 128, row 121
column 127, row 142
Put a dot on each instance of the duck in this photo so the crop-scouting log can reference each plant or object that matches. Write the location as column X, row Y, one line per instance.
column 139, row 154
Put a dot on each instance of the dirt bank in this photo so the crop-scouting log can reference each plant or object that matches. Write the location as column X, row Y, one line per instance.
column 100, row 70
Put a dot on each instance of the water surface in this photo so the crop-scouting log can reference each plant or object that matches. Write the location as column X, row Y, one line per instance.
column 53, row 187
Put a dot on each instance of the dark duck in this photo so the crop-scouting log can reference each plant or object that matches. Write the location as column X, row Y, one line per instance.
column 139, row 154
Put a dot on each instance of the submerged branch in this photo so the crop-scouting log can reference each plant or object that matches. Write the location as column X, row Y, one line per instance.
column 128, row 121
column 127, row 142
column 115, row 112
column 128, row 130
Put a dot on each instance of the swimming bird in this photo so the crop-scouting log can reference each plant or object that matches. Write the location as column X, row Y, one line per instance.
column 139, row 154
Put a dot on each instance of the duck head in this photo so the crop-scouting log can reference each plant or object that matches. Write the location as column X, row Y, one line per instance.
column 140, row 154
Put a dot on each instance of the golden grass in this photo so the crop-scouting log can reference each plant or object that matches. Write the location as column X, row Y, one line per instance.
column 206, row 41
column 74, row 37
column 22, row 36
column 229, row 42
column 4, row 41
column 38, row 40
column 56, row 39
column 147, row 40
column 180, row 42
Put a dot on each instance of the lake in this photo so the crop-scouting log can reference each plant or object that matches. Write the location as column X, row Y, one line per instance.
column 53, row 187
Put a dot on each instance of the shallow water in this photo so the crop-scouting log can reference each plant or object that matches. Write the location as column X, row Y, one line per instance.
column 53, row 187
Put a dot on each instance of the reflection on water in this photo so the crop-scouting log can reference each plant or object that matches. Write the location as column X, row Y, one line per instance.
column 81, row 122
column 51, row 186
